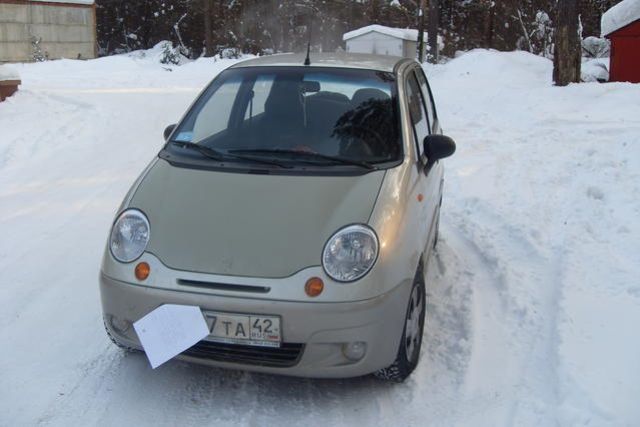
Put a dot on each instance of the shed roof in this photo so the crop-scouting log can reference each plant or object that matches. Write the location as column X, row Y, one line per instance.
column 619, row 16
column 400, row 33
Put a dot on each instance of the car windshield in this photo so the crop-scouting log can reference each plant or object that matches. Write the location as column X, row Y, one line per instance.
column 324, row 117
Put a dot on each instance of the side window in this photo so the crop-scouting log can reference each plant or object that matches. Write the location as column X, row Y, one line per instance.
column 417, row 112
column 261, row 89
column 428, row 98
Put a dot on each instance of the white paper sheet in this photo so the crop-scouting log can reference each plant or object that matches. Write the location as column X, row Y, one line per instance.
column 169, row 330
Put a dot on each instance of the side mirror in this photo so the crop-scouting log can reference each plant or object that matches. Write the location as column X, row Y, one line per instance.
column 438, row 147
column 168, row 131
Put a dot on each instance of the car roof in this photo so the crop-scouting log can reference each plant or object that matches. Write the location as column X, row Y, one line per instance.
column 335, row 60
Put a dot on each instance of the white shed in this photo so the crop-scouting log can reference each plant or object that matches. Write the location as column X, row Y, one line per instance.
column 381, row 40
column 47, row 28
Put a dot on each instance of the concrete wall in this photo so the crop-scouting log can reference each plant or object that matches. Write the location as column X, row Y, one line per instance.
column 66, row 30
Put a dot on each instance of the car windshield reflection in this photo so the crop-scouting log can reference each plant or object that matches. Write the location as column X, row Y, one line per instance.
column 347, row 114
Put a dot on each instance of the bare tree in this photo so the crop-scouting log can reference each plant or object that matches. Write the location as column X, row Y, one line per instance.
column 567, row 54
column 525, row 33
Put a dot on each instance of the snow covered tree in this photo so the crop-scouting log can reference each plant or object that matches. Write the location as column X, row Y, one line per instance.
column 170, row 55
column 37, row 54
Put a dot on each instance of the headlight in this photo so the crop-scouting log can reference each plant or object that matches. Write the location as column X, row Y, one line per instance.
column 350, row 253
column 129, row 236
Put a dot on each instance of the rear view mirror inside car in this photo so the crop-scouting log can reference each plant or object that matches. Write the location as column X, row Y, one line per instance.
column 310, row 86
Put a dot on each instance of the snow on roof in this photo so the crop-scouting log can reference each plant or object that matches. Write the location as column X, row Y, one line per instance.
column 401, row 33
column 8, row 73
column 620, row 15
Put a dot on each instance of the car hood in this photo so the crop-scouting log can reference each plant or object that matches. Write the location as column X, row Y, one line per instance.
column 248, row 224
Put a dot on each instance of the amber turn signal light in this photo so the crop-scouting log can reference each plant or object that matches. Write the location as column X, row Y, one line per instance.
column 142, row 271
column 314, row 286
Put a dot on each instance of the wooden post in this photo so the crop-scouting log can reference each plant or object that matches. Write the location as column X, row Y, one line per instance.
column 567, row 56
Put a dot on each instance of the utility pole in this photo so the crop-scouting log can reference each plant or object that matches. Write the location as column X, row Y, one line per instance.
column 421, row 31
column 434, row 23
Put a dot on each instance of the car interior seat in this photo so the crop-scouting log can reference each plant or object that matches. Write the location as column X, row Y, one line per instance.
column 363, row 95
column 283, row 112
column 323, row 109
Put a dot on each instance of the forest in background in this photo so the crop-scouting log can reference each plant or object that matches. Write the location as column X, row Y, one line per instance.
column 232, row 27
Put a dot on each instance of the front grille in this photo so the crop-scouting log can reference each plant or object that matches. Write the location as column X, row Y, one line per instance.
column 224, row 286
column 286, row 355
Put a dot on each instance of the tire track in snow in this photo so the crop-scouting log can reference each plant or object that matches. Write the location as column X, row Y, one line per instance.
column 56, row 193
column 521, row 299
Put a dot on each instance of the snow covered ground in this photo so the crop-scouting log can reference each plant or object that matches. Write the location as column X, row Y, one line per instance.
column 534, row 292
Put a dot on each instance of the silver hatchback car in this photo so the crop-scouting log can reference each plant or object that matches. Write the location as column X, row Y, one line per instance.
column 296, row 206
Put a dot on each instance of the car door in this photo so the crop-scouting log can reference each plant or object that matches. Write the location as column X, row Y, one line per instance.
column 429, row 179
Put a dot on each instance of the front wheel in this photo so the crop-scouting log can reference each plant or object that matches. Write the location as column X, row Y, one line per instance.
column 409, row 350
column 118, row 344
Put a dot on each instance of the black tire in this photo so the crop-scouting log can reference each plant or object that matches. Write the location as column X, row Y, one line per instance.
column 125, row 348
column 406, row 363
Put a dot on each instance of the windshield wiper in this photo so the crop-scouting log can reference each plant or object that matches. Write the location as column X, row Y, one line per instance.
column 220, row 156
column 309, row 155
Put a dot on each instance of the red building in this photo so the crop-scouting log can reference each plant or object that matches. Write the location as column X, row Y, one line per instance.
column 621, row 25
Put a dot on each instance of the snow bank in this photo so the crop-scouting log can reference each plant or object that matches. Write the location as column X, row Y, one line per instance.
column 140, row 70
column 595, row 70
column 541, row 205
column 401, row 33
column 620, row 15
column 8, row 73
column 163, row 52
column 534, row 298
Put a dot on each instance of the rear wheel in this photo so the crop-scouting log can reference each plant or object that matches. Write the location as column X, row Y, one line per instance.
column 411, row 342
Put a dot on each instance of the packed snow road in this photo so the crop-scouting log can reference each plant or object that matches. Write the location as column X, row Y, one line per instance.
column 534, row 293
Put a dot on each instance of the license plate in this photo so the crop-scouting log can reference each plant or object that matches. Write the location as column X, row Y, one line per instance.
column 246, row 329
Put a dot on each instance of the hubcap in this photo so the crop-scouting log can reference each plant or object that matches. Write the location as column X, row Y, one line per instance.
column 412, row 330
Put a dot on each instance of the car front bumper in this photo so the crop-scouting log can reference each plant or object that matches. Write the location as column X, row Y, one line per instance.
column 323, row 328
